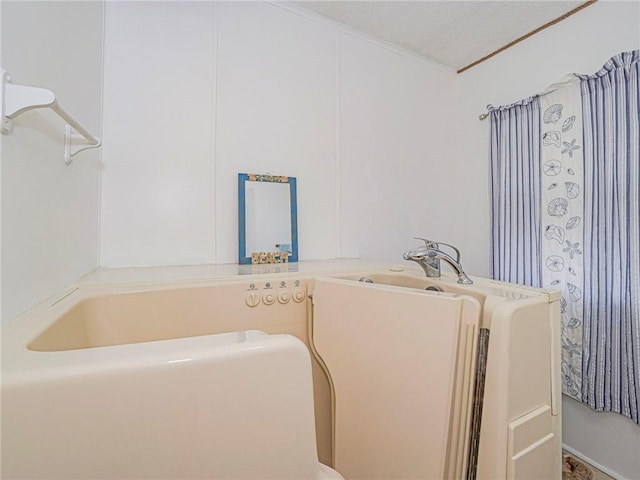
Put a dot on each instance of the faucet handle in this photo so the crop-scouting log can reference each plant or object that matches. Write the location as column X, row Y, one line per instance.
column 427, row 243
column 436, row 245
column 454, row 249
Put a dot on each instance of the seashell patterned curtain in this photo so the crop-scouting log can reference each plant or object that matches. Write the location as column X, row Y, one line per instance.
column 565, row 189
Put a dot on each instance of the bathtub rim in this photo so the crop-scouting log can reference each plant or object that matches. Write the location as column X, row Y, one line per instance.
column 18, row 333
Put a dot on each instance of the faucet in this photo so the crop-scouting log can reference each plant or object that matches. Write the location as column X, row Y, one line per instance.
column 428, row 256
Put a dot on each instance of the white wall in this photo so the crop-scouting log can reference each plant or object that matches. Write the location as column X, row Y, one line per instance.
column 50, row 211
column 582, row 44
column 197, row 92
column 396, row 148
column 159, row 87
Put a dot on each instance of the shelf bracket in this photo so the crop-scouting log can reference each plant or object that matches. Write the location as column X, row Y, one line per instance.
column 17, row 99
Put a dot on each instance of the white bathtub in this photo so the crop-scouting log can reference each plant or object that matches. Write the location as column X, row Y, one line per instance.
column 112, row 378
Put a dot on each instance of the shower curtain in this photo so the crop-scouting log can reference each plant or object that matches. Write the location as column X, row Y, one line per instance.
column 565, row 192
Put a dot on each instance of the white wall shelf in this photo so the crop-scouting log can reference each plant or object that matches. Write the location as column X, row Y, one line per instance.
column 17, row 99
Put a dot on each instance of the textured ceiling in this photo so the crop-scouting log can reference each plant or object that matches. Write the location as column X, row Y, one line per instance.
column 453, row 33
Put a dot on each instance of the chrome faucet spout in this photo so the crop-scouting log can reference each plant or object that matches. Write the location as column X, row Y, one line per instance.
column 428, row 256
column 457, row 268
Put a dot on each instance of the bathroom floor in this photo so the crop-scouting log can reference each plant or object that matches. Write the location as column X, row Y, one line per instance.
column 574, row 469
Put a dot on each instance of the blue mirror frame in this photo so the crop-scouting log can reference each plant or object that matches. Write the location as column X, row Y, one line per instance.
column 244, row 257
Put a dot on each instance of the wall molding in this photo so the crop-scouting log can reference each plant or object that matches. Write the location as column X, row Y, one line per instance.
column 581, row 456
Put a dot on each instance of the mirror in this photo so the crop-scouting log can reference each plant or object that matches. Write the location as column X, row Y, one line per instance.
column 267, row 219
